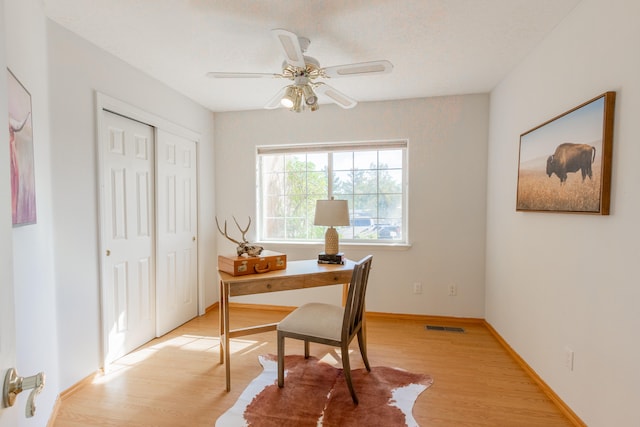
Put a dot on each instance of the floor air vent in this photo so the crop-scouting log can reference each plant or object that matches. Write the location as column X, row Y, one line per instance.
column 444, row 328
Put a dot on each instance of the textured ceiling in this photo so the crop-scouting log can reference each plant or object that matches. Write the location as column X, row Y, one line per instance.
column 437, row 47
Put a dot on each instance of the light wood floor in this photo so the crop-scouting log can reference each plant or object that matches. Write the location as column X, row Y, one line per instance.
column 176, row 380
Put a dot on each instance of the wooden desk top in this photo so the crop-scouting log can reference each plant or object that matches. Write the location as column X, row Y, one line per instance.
column 297, row 275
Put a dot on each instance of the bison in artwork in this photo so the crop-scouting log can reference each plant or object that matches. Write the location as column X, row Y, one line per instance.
column 571, row 158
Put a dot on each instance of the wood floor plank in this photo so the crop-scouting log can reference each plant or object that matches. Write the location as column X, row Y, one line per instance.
column 176, row 380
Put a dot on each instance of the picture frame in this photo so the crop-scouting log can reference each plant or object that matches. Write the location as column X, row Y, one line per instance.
column 564, row 164
column 23, row 182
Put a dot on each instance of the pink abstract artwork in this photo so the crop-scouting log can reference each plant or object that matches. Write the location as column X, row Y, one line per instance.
column 23, row 189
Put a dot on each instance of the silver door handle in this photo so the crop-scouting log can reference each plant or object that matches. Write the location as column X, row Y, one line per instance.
column 15, row 384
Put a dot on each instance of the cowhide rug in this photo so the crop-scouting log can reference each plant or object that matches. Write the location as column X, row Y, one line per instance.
column 316, row 394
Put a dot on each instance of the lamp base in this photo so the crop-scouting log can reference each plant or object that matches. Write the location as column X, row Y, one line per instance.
column 331, row 241
column 325, row 258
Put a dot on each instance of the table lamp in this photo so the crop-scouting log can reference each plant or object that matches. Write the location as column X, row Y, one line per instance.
column 331, row 213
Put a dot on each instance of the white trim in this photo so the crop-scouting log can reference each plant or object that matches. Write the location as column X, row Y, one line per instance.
column 106, row 102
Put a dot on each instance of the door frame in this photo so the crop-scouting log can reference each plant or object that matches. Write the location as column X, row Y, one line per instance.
column 116, row 106
column 8, row 416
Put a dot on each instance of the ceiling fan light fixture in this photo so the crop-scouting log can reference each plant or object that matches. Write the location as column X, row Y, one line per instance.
column 298, row 105
column 290, row 97
column 310, row 98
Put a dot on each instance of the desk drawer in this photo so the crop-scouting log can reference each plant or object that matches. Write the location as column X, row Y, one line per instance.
column 264, row 284
column 329, row 277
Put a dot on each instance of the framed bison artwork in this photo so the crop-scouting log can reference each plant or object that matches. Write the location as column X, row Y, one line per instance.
column 565, row 163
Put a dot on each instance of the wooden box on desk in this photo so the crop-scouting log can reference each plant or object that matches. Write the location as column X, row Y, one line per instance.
column 240, row 265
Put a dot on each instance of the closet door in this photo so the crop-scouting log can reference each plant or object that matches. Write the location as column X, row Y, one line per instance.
column 129, row 299
column 177, row 253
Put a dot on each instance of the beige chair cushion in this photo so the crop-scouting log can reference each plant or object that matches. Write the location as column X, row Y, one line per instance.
column 316, row 319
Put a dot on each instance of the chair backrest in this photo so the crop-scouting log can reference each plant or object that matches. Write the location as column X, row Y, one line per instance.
column 354, row 307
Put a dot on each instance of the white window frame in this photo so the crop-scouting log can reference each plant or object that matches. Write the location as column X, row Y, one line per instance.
column 334, row 147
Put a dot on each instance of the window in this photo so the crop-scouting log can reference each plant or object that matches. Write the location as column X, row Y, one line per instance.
column 371, row 176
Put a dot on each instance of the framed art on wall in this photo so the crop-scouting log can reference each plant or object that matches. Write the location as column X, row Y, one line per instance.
column 23, row 187
column 565, row 163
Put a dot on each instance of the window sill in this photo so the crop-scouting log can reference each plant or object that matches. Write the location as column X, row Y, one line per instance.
column 320, row 245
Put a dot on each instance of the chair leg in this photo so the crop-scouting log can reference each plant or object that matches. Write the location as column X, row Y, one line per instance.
column 362, row 343
column 346, row 369
column 306, row 349
column 280, row 360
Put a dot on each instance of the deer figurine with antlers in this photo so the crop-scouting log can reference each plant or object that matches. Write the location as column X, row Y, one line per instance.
column 244, row 247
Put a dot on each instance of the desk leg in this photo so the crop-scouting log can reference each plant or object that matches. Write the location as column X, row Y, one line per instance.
column 225, row 354
column 221, row 320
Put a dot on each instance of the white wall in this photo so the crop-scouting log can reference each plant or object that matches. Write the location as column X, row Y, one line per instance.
column 447, row 174
column 76, row 70
column 34, row 285
column 557, row 280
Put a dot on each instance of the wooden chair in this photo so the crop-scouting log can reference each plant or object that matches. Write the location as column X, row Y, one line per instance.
column 330, row 324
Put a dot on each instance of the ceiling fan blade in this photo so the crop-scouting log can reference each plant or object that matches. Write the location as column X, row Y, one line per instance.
column 223, row 75
column 275, row 101
column 290, row 46
column 368, row 68
column 335, row 95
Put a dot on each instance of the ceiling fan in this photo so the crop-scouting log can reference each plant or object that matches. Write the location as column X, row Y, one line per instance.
column 305, row 72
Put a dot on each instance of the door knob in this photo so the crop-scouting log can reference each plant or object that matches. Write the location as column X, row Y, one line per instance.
column 108, row 252
column 15, row 384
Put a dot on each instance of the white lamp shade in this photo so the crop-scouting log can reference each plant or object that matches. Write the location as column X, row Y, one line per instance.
column 331, row 213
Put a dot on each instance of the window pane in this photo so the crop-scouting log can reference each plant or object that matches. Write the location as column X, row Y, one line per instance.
column 390, row 181
column 296, row 183
column 365, row 160
column 317, row 182
column 295, row 162
column 274, row 228
column 274, row 206
column 391, row 159
column 317, row 161
column 343, row 161
column 390, row 206
column 296, row 228
column 296, row 205
column 273, row 183
column 366, row 182
column 273, row 163
column 365, row 206
column 343, row 183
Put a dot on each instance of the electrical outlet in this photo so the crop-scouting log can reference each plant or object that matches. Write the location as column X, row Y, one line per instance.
column 417, row 288
column 453, row 290
column 568, row 358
